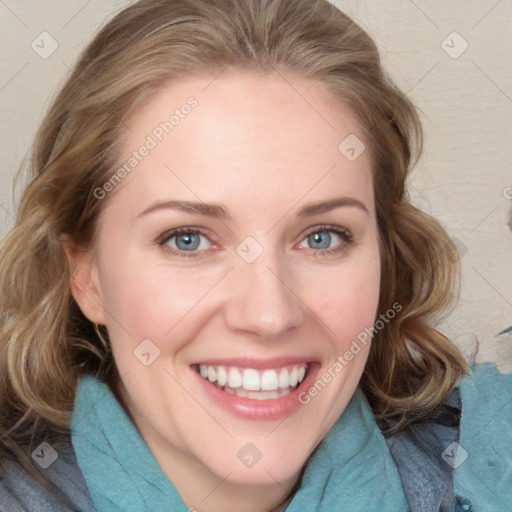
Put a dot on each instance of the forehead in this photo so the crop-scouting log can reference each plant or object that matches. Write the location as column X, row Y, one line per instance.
column 209, row 137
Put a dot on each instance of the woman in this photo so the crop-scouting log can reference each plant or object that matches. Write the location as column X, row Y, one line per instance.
column 216, row 291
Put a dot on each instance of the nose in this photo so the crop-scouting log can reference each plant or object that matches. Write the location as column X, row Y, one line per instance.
column 263, row 301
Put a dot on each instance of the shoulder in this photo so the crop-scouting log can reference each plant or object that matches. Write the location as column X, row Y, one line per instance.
column 483, row 457
column 19, row 492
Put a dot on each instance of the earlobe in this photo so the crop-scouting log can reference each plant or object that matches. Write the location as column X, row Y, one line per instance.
column 84, row 280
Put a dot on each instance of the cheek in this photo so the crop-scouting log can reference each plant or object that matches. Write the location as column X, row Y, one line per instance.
column 348, row 304
column 148, row 301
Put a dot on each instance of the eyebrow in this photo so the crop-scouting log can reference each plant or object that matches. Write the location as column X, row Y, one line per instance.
column 219, row 211
column 330, row 204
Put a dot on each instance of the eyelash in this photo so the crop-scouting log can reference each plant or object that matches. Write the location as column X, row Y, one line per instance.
column 344, row 234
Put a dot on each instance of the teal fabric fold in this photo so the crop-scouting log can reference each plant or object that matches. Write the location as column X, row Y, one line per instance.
column 118, row 467
column 483, row 472
column 352, row 468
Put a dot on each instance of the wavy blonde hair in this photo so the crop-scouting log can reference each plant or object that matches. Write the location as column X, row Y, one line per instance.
column 46, row 343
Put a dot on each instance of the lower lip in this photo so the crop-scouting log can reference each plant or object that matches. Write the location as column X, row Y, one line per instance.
column 269, row 410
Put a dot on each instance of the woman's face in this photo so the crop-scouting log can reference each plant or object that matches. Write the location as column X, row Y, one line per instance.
column 273, row 274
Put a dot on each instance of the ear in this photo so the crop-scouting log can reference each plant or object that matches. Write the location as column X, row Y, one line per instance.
column 84, row 280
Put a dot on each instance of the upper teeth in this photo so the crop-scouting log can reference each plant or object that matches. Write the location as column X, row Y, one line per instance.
column 254, row 380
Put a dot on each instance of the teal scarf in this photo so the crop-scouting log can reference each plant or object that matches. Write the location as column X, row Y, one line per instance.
column 351, row 470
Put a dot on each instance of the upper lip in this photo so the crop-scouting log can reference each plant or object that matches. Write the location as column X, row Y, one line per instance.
column 257, row 364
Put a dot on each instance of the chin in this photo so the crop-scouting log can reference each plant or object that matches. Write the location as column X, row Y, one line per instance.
column 259, row 466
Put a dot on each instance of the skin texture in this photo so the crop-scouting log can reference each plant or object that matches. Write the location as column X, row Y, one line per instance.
column 264, row 150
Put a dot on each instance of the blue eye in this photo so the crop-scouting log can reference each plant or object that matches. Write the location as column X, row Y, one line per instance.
column 321, row 237
column 191, row 242
column 182, row 241
column 188, row 241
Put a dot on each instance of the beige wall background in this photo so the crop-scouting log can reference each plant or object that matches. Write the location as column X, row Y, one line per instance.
column 452, row 58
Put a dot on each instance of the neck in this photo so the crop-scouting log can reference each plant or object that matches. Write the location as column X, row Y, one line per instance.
column 223, row 496
column 202, row 491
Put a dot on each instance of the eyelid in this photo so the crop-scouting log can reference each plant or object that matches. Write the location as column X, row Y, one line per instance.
column 167, row 235
column 326, row 227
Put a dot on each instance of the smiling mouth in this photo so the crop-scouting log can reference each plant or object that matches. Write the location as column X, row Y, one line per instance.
column 252, row 383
